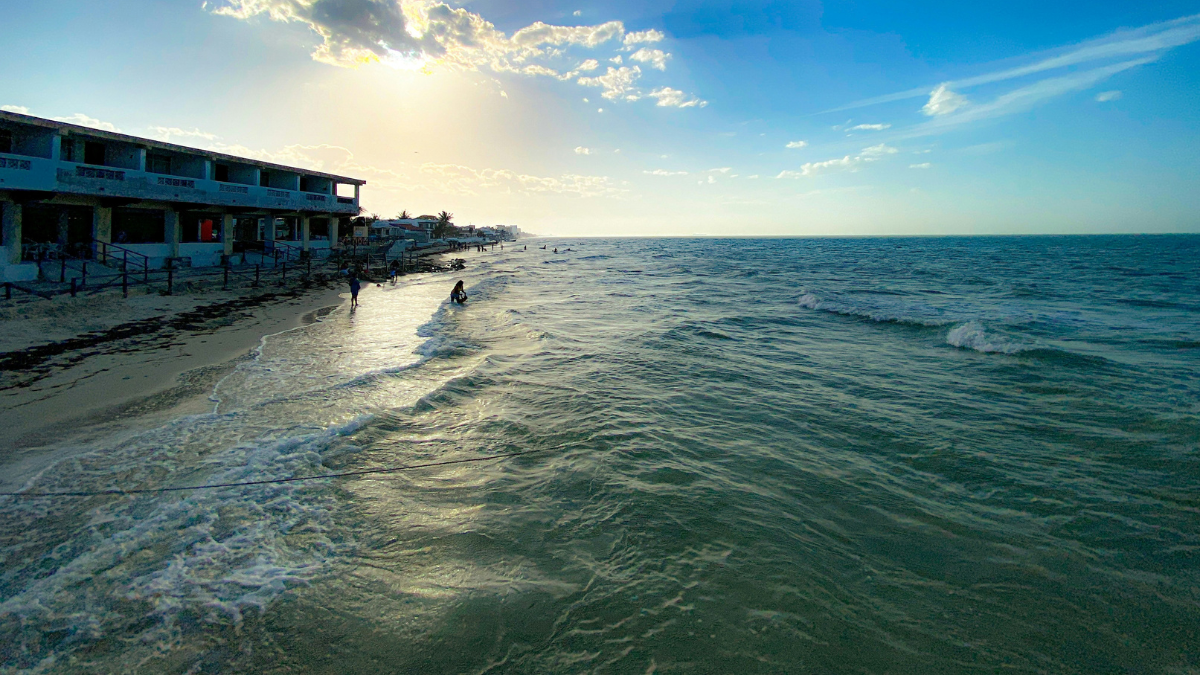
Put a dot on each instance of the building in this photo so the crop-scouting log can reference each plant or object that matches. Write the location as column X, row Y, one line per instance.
column 66, row 188
column 404, row 228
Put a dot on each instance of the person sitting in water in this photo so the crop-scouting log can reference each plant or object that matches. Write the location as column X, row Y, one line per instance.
column 458, row 294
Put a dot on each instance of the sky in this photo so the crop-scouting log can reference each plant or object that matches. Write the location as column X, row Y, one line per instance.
column 660, row 117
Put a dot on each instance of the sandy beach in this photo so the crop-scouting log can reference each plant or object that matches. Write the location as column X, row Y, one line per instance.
column 77, row 367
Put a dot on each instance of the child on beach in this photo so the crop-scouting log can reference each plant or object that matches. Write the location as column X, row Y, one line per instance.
column 354, row 288
column 458, row 295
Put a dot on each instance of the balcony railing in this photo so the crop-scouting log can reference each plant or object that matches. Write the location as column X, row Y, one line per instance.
column 41, row 174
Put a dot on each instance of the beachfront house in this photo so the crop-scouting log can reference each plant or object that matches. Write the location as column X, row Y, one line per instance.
column 76, row 191
column 403, row 228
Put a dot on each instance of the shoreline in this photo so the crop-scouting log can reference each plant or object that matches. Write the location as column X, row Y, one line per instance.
column 164, row 366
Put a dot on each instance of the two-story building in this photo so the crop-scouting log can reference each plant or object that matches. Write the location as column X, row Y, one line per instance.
column 72, row 188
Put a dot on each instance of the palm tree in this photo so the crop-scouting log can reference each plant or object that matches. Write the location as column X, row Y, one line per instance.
column 443, row 225
column 403, row 216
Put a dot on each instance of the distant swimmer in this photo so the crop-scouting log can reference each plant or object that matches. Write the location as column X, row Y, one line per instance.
column 543, row 247
column 458, row 295
column 556, row 250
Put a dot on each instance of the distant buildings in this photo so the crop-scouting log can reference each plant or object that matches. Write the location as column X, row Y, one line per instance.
column 64, row 186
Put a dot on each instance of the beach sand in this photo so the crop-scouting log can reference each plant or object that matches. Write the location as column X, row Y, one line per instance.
column 74, row 368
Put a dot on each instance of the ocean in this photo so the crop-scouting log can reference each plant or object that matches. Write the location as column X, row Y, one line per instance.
column 879, row 455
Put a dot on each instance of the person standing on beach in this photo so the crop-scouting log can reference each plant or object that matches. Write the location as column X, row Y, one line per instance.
column 354, row 288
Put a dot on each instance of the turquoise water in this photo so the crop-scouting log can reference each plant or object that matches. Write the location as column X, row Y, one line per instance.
column 813, row 455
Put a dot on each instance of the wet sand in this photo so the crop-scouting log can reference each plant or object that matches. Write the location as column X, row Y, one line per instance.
column 135, row 358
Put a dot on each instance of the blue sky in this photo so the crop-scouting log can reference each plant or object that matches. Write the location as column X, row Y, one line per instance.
column 673, row 118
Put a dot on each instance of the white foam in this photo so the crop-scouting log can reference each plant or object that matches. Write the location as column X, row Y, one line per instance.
column 972, row 335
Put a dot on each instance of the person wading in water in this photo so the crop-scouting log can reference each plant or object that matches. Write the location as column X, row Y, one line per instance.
column 458, row 294
column 354, row 288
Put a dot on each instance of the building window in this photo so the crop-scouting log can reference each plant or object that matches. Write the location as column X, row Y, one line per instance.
column 68, row 149
column 93, row 153
column 158, row 164
column 264, row 178
column 138, row 226
column 6, row 142
column 221, row 173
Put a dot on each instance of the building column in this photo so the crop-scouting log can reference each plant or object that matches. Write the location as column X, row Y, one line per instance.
column 304, row 223
column 172, row 231
column 10, row 215
column 333, row 231
column 269, row 230
column 227, row 233
column 102, row 223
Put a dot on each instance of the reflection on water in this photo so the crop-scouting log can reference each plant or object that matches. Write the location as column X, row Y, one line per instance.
column 925, row 455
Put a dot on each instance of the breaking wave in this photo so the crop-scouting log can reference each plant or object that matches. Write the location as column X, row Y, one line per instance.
column 972, row 335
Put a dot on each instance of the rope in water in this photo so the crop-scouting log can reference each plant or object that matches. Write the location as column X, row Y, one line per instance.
column 363, row 472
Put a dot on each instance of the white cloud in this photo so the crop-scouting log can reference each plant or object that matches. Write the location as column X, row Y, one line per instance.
column 1153, row 39
column 754, row 177
column 870, row 127
column 577, row 13
column 942, row 101
column 876, row 151
column 664, row 172
column 711, row 180
column 922, row 165
column 457, row 178
column 1105, row 96
column 794, row 145
column 424, row 34
column 657, row 58
column 617, row 82
column 724, row 169
column 847, row 163
column 668, row 97
column 503, row 93
column 85, row 121
column 616, row 59
column 19, row 109
column 1025, row 98
column 166, row 134
column 583, row 151
column 646, row 36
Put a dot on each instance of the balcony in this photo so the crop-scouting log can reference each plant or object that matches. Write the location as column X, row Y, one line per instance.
column 20, row 172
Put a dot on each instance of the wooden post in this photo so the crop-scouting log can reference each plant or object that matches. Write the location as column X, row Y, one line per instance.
column 283, row 277
column 256, row 266
column 125, row 282
column 83, row 279
column 73, row 282
column 225, row 281
column 170, row 280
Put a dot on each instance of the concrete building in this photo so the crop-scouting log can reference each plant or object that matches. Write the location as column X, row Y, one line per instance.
column 72, row 189
column 405, row 228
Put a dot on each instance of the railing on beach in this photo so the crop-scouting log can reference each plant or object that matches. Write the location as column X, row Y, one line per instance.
column 168, row 278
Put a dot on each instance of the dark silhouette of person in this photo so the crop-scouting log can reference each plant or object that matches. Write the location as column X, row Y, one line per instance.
column 355, row 285
column 458, row 295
